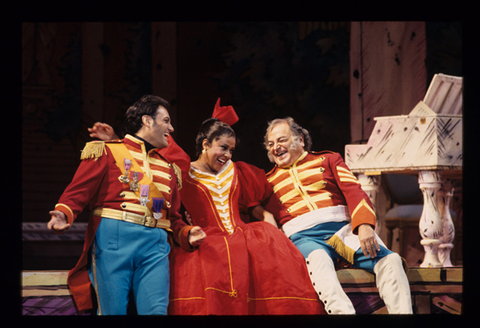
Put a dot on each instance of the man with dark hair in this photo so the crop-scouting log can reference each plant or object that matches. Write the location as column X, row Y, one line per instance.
column 332, row 219
column 133, row 193
column 147, row 105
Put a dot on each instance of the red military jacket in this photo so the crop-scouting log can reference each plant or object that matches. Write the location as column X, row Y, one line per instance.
column 317, row 180
column 97, row 184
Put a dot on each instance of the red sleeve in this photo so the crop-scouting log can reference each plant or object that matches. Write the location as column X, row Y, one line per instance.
column 257, row 191
column 175, row 154
column 85, row 184
column 255, row 188
column 179, row 227
column 358, row 202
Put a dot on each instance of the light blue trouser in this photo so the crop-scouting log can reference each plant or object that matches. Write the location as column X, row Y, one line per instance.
column 129, row 257
column 316, row 238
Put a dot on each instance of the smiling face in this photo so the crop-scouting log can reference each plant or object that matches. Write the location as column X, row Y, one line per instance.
column 156, row 130
column 283, row 147
column 216, row 154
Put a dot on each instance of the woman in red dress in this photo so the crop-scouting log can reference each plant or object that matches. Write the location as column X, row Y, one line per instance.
column 240, row 268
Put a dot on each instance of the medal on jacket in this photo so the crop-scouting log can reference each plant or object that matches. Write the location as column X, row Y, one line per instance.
column 157, row 207
column 144, row 189
column 134, row 181
column 127, row 164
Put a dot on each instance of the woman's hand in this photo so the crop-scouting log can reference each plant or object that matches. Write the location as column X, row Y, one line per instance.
column 102, row 131
column 262, row 214
column 196, row 236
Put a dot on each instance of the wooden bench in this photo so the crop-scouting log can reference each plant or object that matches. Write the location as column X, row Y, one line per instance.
column 434, row 291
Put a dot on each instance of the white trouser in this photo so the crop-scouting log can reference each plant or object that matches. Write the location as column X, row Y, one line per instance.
column 393, row 285
column 326, row 284
column 391, row 280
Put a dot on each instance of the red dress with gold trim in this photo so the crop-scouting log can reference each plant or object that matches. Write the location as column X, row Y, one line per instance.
column 240, row 268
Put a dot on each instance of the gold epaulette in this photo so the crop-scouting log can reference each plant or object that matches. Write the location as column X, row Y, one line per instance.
column 93, row 149
column 178, row 173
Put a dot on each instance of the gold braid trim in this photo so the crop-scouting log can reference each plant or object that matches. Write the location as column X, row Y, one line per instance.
column 93, row 149
column 343, row 250
column 178, row 173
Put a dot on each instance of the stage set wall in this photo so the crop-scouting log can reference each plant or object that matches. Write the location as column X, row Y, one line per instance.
column 331, row 77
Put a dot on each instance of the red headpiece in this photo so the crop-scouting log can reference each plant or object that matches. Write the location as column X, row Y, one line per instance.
column 226, row 114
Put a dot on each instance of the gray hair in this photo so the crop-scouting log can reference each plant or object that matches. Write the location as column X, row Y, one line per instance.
column 297, row 131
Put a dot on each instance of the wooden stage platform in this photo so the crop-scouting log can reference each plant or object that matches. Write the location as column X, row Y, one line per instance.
column 434, row 291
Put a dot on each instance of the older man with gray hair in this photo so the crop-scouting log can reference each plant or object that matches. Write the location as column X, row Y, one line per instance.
column 331, row 219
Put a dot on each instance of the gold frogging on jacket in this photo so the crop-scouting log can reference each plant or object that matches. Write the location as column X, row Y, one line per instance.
column 120, row 152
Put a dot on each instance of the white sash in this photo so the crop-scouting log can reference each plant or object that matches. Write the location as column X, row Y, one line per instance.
column 308, row 220
column 337, row 213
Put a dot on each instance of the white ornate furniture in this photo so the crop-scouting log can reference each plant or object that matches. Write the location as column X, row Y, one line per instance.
column 428, row 143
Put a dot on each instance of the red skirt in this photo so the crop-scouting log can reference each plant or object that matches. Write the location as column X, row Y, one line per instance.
column 256, row 270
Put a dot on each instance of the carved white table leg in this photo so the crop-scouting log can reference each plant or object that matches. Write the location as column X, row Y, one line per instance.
column 371, row 184
column 430, row 225
column 444, row 249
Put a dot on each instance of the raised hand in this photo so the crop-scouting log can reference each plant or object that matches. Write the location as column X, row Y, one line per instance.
column 102, row 131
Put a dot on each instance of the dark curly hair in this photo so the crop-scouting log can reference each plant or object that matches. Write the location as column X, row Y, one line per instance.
column 212, row 129
column 147, row 105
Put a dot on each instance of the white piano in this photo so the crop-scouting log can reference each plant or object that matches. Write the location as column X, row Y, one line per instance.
column 428, row 143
